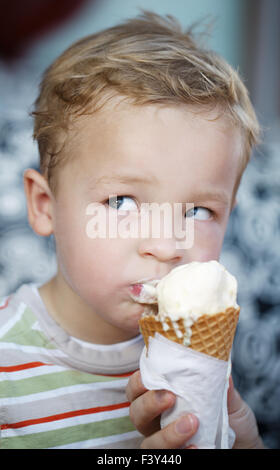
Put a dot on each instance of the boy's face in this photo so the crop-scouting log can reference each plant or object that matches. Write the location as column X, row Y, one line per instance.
column 142, row 154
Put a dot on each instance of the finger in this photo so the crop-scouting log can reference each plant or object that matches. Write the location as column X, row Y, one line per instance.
column 174, row 436
column 135, row 387
column 234, row 400
column 145, row 410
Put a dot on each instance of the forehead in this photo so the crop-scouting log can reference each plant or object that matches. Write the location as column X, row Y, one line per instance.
column 150, row 142
column 126, row 123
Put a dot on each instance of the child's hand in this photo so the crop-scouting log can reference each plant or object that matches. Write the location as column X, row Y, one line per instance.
column 145, row 410
column 242, row 421
column 147, row 406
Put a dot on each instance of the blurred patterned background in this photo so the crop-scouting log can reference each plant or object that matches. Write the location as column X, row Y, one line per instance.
column 247, row 33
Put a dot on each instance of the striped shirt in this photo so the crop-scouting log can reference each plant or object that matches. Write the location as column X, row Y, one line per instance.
column 57, row 391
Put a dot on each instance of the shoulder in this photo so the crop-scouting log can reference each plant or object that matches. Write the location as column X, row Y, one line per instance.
column 15, row 311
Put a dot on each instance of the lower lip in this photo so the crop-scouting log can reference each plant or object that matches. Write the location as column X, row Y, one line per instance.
column 136, row 289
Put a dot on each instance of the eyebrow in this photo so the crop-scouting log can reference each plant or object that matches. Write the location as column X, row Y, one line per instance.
column 201, row 195
column 214, row 195
column 125, row 179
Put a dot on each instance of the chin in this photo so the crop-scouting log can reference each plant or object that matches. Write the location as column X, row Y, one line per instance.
column 132, row 324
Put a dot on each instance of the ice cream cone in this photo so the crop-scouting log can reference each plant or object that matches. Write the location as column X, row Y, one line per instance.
column 210, row 334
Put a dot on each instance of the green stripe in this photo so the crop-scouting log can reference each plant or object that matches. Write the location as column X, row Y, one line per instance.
column 22, row 333
column 69, row 435
column 42, row 383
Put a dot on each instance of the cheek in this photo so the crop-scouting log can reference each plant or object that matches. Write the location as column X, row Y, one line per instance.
column 89, row 261
column 208, row 241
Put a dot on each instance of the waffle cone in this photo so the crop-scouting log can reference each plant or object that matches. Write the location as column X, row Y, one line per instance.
column 211, row 334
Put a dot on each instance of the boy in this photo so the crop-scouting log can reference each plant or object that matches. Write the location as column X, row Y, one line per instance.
column 133, row 115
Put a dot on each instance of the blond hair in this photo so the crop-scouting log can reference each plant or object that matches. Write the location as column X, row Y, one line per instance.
column 149, row 60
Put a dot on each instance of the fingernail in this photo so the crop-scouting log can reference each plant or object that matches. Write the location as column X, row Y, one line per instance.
column 185, row 425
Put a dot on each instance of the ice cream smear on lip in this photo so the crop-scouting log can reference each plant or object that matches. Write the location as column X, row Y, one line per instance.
column 145, row 292
column 192, row 290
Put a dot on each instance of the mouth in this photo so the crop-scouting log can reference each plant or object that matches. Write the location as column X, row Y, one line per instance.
column 144, row 292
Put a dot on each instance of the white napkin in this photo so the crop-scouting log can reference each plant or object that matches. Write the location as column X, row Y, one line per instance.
column 200, row 383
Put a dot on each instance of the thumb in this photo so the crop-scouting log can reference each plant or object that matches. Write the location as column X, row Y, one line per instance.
column 243, row 421
column 234, row 400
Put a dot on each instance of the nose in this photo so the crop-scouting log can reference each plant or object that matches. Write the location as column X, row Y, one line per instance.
column 161, row 249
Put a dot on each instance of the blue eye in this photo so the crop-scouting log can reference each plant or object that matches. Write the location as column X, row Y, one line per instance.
column 124, row 203
column 199, row 213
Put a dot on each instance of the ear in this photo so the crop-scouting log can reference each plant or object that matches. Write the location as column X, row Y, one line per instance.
column 39, row 202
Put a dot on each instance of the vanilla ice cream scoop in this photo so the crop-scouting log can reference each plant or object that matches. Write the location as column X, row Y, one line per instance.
column 195, row 289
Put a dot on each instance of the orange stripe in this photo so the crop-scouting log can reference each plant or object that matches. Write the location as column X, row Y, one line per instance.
column 28, row 365
column 5, row 304
column 126, row 374
column 70, row 414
